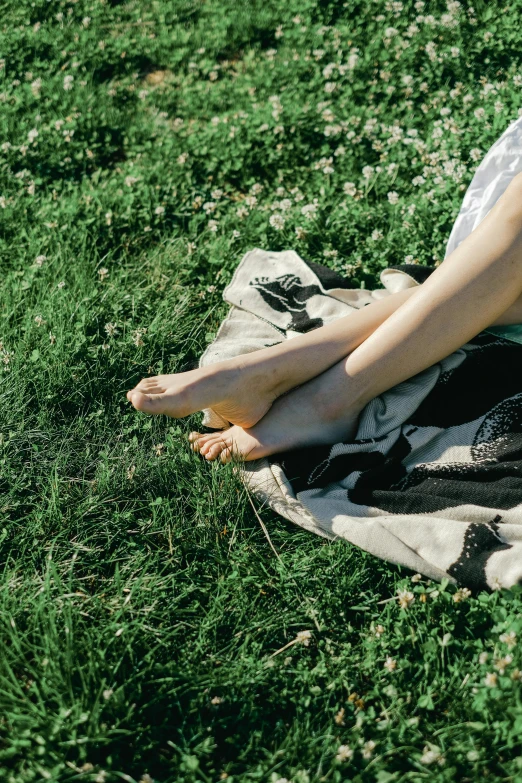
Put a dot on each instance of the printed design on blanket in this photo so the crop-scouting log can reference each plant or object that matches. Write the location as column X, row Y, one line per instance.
column 433, row 480
column 480, row 542
column 287, row 294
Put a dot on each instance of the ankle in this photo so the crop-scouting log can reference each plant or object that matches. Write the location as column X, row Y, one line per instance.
column 265, row 370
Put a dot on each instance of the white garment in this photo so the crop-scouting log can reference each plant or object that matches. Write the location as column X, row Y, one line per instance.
column 498, row 167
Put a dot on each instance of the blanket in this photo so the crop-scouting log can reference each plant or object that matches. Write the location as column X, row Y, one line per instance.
column 433, row 478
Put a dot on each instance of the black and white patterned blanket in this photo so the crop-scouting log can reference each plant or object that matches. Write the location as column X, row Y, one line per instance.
column 433, row 479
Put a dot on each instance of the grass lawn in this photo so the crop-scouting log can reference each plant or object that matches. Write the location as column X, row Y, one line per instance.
column 148, row 631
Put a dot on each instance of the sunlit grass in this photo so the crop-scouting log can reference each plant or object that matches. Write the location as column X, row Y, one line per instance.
column 148, row 629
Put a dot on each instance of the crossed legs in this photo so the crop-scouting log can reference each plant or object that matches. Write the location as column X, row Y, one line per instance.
column 311, row 390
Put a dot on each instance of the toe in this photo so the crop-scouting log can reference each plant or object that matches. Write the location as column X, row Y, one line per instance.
column 197, row 441
column 205, row 444
column 226, row 455
column 150, row 385
column 194, row 441
column 148, row 403
column 208, row 439
column 215, row 450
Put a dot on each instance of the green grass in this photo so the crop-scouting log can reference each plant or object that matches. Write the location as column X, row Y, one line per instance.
column 141, row 606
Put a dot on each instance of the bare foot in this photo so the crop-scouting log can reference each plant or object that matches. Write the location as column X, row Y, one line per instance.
column 239, row 394
column 308, row 416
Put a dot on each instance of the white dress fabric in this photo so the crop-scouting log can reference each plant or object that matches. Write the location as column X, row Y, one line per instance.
column 500, row 164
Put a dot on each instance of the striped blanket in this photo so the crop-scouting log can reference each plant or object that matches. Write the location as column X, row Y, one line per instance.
column 433, row 478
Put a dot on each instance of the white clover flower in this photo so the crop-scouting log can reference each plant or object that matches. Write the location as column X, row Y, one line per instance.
column 344, row 753
column 36, row 87
column 159, row 210
column 182, row 159
column 137, row 336
column 329, row 69
column 461, row 594
column 390, row 664
column 102, row 273
column 236, row 234
column 329, row 87
column 416, row 577
column 405, row 598
column 300, row 232
column 379, row 630
column 491, row 680
column 68, row 82
column 130, row 181
column 40, row 260
column 213, row 225
column 32, row 135
column 61, row 284
column 309, row 211
column 393, row 197
column 277, row 221
column 376, row 235
column 39, row 321
column 110, row 328
column 353, row 59
column 483, row 657
column 303, row 637
column 368, row 748
column 209, row 207
column 431, row 754
column 509, row 638
column 391, row 32
column 367, row 172
column 419, row 180
column 349, row 188
column 501, row 664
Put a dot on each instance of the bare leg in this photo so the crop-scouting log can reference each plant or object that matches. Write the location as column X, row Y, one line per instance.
column 243, row 389
column 475, row 287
